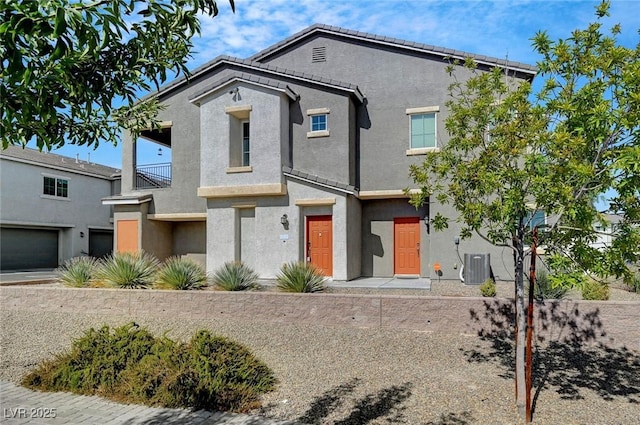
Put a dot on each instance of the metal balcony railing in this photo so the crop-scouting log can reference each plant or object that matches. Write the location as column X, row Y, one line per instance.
column 153, row 176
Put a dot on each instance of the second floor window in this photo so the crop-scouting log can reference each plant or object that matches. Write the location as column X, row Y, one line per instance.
column 319, row 122
column 56, row 187
column 423, row 131
column 246, row 145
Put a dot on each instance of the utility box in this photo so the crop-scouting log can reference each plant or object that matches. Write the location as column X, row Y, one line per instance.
column 477, row 268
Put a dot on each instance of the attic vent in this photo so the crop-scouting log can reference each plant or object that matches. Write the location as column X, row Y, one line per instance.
column 319, row 54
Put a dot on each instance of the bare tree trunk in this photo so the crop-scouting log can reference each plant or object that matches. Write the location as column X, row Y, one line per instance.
column 521, row 328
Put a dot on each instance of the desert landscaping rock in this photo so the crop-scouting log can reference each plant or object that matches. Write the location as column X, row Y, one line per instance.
column 341, row 375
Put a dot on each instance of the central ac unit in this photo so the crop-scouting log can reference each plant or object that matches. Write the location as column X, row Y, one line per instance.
column 477, row 268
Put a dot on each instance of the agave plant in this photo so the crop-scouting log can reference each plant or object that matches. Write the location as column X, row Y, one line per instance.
column 181, row 273
column 128, row 270
column 300, row 277
column 78, row 272
column 235, row 276
column 544, row 290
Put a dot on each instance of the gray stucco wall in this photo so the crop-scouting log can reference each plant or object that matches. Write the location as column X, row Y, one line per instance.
column 269, row 108
column 378, row 236
column 329, row 157
column 181, row 197
column 189, row 237
column 276, row 244
column 392, row 82
column 24, row 205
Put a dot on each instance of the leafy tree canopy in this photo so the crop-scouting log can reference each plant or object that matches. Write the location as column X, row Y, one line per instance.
column 65, row 63
column 513, row 152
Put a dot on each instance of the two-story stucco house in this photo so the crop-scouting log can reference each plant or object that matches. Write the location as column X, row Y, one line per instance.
column 302, row 152
column 51, row 208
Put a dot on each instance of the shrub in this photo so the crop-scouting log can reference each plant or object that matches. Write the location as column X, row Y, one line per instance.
column 128, row 270
column 129, row 364
column 488, row 288
column 594, row 290
column 300, row 277
column 78, row 271
column 545, row 290
column 235, row 276
column 181, row 273
column 634, row 283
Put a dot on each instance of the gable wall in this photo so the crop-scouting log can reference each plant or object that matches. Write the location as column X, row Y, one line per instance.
column 391, row 82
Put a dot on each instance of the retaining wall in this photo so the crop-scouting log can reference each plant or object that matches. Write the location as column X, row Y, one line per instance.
column 615, row 324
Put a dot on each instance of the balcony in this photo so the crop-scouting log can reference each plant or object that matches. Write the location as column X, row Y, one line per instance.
column 153, row 176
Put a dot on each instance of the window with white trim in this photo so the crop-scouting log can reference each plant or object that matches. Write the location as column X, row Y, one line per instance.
column 239, row 139
column 54, row 186
column 318, row 122
column 422, row 129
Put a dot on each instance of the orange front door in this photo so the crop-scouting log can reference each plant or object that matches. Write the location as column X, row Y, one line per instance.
column 127, row 236
column 320, row 243
column 406, row 232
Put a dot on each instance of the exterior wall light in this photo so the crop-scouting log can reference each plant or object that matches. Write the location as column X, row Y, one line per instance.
column 284, row 220
column 82, row 234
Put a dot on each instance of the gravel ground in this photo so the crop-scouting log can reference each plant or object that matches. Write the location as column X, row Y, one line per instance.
column 350, row 376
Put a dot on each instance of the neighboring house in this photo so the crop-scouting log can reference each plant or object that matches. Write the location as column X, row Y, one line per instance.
column 51, row 209
column 605, row 231
column 302, row 152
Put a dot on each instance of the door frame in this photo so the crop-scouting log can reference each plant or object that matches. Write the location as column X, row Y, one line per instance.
column 307, row 238
column 415, row 220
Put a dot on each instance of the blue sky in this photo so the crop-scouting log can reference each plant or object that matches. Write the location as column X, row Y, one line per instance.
column 501, row 29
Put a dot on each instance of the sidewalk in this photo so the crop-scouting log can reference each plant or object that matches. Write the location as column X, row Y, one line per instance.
column 21, row 406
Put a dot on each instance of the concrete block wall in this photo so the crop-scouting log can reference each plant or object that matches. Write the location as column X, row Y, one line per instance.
column 615, row 324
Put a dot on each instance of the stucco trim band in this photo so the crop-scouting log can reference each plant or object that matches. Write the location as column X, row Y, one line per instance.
column 241, row 112
column 315, row 202
column 277, row 189
column 423, row 110
column 178, row 217
column 386, row 194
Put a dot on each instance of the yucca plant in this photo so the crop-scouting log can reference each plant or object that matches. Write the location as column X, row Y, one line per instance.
column 128, row 270
column 235, row 276
column 544, row 290
column 300, row 277
column 78, row 272
column 181, row 273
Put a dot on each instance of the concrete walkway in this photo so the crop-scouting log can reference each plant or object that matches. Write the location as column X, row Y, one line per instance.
column 21, row 406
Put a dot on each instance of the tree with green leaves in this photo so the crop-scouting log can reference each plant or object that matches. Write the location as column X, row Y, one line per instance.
column 513, row 152
column 67, row 64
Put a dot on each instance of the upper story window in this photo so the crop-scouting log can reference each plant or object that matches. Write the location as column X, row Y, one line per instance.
column 422, row 130
column 535, row 219
column 318, row 122
column 239, row 139
column 55, row 186
column 246, row 144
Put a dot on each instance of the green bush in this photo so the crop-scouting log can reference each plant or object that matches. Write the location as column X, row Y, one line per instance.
column 634, row 283
column 235, row 276
column 488, row 288
column 545, row 290
column 181, row 273
column 78, row 272
column 128, row 270
column 594, row 290
column 300, row 277
column 128, row 364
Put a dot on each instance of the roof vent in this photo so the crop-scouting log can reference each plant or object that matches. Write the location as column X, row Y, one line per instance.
column 319, row 54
